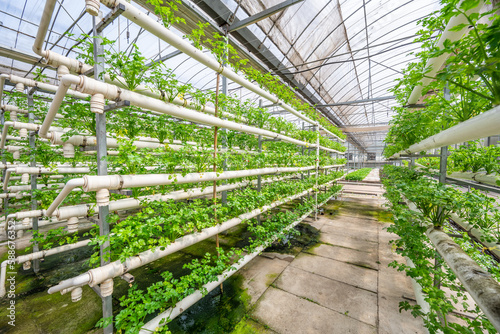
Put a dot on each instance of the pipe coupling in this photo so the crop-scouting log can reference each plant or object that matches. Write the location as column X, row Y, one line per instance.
column 76, row 294
column 97, row 103
column 25, row 178
column 107, row 288
column 102, row 197
column 19, row 87
column 13, row 116
column 92, row 7
column 96, row 182
column 62, row 70
column 72, row 225
column 27, row 265
column 23, row 133
column 16, row 154
column 68, row 150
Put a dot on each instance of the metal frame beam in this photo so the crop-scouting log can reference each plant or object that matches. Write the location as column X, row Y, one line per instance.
column 383, row 98
column 262, row 15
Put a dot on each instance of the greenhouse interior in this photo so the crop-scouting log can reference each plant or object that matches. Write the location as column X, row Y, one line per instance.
column 250, row 166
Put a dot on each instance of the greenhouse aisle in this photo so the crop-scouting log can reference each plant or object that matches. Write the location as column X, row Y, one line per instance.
column 340, row 285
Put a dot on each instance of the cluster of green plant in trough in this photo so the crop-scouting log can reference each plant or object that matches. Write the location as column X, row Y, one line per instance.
column 436, row 202
column 472, row 157
column 471, row 73
column 196, row 155
column 159, row 223
column 358, row 175
column 139, row 304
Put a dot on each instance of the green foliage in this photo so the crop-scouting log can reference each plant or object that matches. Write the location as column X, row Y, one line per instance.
column 471, row 73
column 358, row 175
column 435, row 203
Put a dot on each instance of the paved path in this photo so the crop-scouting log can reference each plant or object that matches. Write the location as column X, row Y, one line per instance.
column 373, row 176
column 342, row 285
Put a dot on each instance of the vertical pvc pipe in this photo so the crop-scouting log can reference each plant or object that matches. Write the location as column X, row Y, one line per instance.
column 34, row 204
column 102, row 169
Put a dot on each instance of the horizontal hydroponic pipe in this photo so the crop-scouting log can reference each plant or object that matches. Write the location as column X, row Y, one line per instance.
column 190, row 300
column 36, row 255
column 150, row 24
column 331, row 133
column 42, row 170
column 83, row 210
column 481, row 126
column 45, row 86
column 436, row 63
column 493, row 247
column 56, row 60
column 111, row 92
column 117, row 268
column 116, row 182
column 479, row 284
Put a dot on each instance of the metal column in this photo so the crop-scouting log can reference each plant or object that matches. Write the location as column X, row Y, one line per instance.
column 102, row 169
column 34, row 204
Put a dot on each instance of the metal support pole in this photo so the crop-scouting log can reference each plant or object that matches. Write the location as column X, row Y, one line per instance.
column 102, row 169
column 259, row 178
column 224, row 131
column 4, row 161
column 34, row 204
column 316, row 129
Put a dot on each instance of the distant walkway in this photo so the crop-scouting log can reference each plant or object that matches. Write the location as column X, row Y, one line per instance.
column 373, row 176
column 342, row 285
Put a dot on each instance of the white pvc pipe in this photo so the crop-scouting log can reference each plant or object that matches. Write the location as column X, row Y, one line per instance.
column 331, row 134
column 150, row 24
column 42, row 170
column 44, row 25
column 65, row 82
column 82, row 210
column 37, row 255
column 110, row 92
column 481, row 126
column 190, row 300
column 17, row 126
column 436, row 63
column 74, row 183
column 117, row 268
column 45, row 86
column 115, row 182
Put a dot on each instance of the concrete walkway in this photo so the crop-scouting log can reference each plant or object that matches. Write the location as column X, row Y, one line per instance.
column 373, row 176
column 342, row 285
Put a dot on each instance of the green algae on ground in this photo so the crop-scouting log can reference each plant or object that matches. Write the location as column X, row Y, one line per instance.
column 308, row 236
column 250, row 326
column 215, row 313
column 42, row 313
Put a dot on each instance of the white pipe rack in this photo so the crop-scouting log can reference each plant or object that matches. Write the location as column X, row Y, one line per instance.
column 111, row 92
column 115, row 182
column 157, row 29
column 480, row 126
column 117, row 268
column 481, row 286
column 436, row 63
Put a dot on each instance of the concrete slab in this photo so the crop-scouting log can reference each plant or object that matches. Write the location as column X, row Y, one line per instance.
column 344, row 241
column 347, row 255
column 284, row 313
column 350, row 222
column 356, row 232
column 259, row 274
column 356, row 303
column 347, row 273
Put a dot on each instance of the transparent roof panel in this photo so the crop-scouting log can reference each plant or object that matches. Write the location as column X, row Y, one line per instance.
column 340, row 50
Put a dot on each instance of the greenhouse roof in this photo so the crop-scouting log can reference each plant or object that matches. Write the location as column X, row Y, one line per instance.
column 342, row 55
